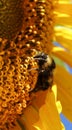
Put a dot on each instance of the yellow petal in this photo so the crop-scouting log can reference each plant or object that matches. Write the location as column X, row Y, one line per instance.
column 63, row 28
column 43, row 113
column 49, row 113
column 64, row 82
column 54, row 89
column 63, row 13
column 59, row 106
column 63, row 54
column 63, row 1
column 64, row 38
column 29, row 118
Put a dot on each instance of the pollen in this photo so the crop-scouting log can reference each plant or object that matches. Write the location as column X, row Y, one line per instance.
column 27, row 31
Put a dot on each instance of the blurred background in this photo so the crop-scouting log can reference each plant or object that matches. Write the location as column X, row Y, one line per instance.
column 63, row 38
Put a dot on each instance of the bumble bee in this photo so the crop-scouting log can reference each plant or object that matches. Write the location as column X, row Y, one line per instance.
column 45, row 71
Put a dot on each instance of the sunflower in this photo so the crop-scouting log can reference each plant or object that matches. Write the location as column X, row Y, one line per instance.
column 26, row 34
column 63, row 53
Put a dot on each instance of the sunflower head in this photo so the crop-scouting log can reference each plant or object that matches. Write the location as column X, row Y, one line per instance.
column 25, row 32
